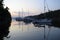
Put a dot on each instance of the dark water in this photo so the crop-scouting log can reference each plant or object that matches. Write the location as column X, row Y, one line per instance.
column 22, row 31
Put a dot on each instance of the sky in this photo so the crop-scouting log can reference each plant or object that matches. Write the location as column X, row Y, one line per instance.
column 34, row 6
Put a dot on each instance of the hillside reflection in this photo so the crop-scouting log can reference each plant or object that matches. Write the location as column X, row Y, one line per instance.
column 41, row 25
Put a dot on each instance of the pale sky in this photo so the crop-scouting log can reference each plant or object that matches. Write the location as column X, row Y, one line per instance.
column 35, row 6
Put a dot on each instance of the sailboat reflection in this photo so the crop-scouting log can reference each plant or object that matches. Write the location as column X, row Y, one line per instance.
column 48, row 24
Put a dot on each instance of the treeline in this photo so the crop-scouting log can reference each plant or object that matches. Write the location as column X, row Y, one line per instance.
column 53, row 15
column 48, row 15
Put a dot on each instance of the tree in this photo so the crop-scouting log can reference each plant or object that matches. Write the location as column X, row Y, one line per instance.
column 5, row 20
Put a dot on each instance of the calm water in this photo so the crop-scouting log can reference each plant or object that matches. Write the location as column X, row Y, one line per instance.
column 30, row 32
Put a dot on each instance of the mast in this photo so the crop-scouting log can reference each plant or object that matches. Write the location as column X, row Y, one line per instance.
column 44, row 12
column 19, row 18
column 44, row 6
column 28, row 25
column 22, row 17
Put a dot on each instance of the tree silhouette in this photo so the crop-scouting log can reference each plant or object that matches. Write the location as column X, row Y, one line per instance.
column 5, row 21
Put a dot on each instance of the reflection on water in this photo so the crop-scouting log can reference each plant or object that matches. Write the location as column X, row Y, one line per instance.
column 22, row 31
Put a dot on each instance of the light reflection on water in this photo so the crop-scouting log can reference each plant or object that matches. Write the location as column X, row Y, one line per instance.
column 29, row 32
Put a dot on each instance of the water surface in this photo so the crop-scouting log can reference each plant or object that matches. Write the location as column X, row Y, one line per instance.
column 22, row 31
